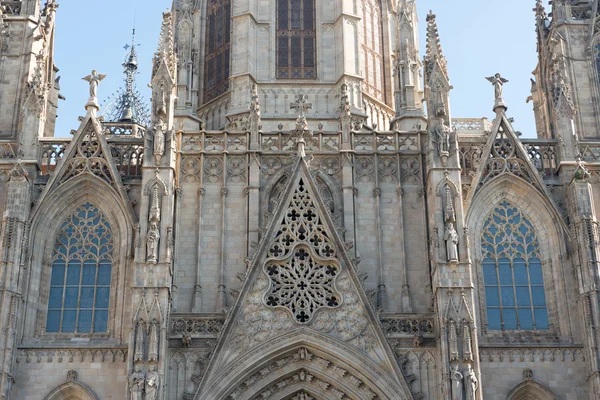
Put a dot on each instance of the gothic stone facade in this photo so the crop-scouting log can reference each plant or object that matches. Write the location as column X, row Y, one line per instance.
column 297, row 223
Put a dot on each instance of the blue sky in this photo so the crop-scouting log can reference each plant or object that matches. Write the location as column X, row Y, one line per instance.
column 479, row 39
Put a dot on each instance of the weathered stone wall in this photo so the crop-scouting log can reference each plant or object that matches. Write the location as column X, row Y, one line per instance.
column 561, row 370
column 38, row 372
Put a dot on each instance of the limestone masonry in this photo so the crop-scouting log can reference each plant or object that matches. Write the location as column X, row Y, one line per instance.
column 296, row 214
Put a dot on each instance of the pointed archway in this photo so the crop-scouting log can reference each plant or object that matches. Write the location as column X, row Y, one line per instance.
column 304, row 360
column 302, row 320
column 531, row 390
column 72, row 391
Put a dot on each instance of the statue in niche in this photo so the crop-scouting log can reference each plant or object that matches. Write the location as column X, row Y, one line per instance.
column 159, row 140
column 442, row 135
column 457, row 383
column 152, row 241
column 136, row 384
column 471, row 383
column 451, row 238
column 153, row 342
column 152, row 384
column 161, row 108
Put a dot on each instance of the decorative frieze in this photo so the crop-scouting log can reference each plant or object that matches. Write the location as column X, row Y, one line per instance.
column 396, row 326
column 531, row 354
column 70, row 355
column 210, row 325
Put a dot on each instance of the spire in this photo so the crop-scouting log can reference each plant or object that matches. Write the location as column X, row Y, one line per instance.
column 437, row 81
column 407, row 69
column 128, row 105
column 434, row 46
column 166, row 47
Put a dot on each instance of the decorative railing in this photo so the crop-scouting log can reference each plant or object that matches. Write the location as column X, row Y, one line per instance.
column 10, row 7
column 402, row 325
column 120, row 129
column 385, row 142
column 9, row 151
column 579, row 13
column 542, row 153
column 128, row 155
column 215, row 142
column 589, row 151
column 52, row 150
column 285, row 143
column 465, row 126
column 320, row 142
column 129, row 158
column 209, row 325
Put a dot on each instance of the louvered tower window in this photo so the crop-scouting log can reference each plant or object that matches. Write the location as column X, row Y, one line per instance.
column 218, row 36
column 512, row 271
column 81, row 274
column 296, row 35
column 372, row 50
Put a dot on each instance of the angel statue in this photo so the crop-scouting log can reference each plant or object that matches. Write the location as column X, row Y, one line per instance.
column 498, row 81
column 94, row 80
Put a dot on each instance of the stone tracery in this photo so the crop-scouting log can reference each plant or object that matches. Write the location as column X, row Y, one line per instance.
column 301, row 268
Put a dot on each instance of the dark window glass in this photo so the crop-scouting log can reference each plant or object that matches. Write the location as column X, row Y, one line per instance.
column 296, row 52
column 512, row 271
column 216, row 64
column 491, row 295
column 494, row 319
column 81, row 273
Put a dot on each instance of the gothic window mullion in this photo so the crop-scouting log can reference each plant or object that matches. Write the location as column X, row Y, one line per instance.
column 499, row 294
column 79, row 293
column 515, row 299
column 217, row 65
column 373, row 50
column 512, row 272
column 64, row 292
column 531, row 297
column 295, row 39
column 83, row 249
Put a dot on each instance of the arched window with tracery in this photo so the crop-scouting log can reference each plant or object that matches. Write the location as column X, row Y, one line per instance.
column 296, row 37
column 372, row 50
column 218, row 44
column 81, row 273
column 512, row 271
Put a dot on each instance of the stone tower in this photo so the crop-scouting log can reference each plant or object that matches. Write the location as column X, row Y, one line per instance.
column 303, row 217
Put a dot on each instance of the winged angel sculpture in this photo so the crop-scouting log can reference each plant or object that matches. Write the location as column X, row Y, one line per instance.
column 94, row 80
column 498, row 81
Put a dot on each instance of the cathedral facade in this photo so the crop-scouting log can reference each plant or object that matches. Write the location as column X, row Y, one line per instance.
column 299, row 216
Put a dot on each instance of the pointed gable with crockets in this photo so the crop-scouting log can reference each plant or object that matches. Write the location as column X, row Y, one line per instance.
column 302, row 316
column 88, row 154
column 504, row 155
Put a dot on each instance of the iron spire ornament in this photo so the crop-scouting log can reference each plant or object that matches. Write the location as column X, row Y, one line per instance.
column 128, row 105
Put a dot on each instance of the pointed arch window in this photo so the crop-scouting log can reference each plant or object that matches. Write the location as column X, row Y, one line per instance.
column 372, row 50
column 81, row 273
column 296, row 36
column 218, row 44
column 512, row 271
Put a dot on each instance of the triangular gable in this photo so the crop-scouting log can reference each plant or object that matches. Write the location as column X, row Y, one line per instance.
column 503, row 155
column 300, row 284
column 88, row 153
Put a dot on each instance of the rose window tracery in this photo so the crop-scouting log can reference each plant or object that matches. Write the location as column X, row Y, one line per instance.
column 301, row 267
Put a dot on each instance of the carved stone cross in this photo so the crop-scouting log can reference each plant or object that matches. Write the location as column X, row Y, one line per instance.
column 301, row 105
